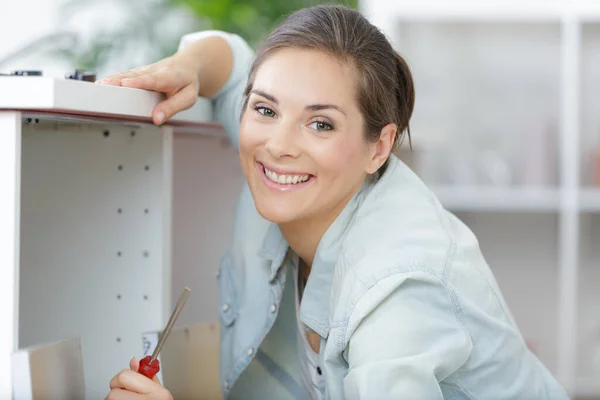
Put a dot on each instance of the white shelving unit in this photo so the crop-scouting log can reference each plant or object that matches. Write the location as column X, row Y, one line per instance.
column 589, row 200
column 86, row 243
column 494, row 199
column 516, row 66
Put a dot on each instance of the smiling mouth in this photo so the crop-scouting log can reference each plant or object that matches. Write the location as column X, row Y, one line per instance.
column 285, row 179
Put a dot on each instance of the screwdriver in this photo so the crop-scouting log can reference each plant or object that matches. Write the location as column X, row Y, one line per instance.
column 149, row 365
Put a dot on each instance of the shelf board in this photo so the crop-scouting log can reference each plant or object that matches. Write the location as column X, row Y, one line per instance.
column 495, row 199
column 46, row 94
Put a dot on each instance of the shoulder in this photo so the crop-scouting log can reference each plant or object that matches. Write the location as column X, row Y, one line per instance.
column 400, row 236
column 400, row 226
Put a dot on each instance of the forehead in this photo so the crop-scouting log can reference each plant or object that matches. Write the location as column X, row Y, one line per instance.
column 307, row 76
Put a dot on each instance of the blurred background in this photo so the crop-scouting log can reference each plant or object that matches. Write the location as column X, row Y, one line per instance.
column 506, row 130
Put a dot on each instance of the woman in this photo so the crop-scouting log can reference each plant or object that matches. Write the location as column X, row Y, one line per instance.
column 346, row 279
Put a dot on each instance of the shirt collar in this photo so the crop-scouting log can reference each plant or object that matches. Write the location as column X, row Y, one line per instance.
column 313, row 312
column 274, row 248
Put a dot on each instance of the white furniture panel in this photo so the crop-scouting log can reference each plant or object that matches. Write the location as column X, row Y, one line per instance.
column 78, row 97
column 92, row 237
column 49, row 371
column 10, row 180
column 87, row 219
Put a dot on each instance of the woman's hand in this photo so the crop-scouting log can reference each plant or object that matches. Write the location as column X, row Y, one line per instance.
column 131, row 385
column 201, row 69
column 175, row 76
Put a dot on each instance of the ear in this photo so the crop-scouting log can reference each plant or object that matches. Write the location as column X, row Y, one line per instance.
column 382, row 148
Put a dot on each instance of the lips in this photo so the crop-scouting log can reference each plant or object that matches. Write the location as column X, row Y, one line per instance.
column 280, row 180
column 289, row 179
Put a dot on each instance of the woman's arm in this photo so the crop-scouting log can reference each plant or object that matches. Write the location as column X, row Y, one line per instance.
column 209, row 54
column 223, row 82
column 403, row 346
column 211, row 64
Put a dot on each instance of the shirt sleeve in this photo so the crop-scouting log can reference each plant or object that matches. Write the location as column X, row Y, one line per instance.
column 228, row 101
column 407, row 338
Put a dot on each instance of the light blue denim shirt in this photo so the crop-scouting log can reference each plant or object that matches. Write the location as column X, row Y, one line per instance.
column 404, row 302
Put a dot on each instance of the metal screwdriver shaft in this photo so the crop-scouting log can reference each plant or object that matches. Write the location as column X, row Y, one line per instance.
column 163, row 337
column 149, row 365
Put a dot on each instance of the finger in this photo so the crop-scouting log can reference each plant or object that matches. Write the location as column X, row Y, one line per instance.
column 115, row 79
column 134, row 364
column 162, row 80
column 180, row 101
column 121, row 394
column 134, row 382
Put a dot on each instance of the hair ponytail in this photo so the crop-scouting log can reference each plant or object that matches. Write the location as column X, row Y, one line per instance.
column 406, row 100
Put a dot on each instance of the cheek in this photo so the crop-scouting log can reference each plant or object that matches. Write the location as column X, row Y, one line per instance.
column 342, row 159
column 248, row 139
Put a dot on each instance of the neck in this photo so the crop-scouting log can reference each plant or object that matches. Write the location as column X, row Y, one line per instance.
column 303, row 236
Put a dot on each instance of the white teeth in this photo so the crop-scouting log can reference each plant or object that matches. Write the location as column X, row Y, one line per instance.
column 285, row 179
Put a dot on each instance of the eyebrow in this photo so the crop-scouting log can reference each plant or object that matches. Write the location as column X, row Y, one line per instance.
column 312, row 107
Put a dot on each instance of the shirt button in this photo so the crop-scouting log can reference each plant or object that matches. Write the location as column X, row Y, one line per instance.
column 319, row 371
column 226, row 385
column 273, row 308
column 225, row 307
column 250, row 351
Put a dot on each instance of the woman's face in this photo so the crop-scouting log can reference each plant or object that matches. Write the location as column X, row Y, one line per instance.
column 302, row 145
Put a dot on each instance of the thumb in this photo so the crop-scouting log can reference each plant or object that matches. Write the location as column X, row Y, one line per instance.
column 180, row 101
column 134, row 364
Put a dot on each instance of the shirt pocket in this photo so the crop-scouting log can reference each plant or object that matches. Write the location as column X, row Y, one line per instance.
column 227, row 296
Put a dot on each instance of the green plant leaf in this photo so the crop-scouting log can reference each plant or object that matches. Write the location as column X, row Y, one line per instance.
column 251, row 19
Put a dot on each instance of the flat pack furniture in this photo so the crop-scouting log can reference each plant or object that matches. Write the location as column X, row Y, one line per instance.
column 86, row 219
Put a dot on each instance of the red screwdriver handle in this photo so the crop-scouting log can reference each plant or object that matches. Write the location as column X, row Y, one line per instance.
column 149, row 368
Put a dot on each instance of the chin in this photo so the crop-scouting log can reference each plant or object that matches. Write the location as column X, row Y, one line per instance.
column 273, row 212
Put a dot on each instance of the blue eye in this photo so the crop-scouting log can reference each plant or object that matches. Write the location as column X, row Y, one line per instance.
column 321, row 126
column 267, row 112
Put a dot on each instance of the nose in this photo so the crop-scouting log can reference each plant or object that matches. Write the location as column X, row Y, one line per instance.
column 283, row 142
